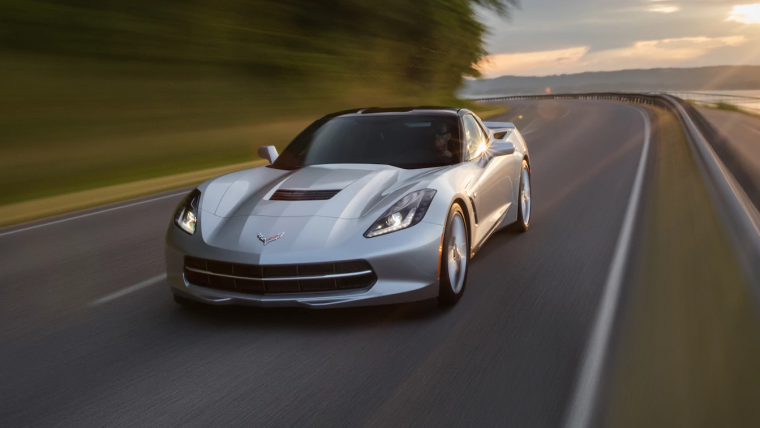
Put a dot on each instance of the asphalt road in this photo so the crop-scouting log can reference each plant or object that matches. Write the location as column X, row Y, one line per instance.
column 75, row 354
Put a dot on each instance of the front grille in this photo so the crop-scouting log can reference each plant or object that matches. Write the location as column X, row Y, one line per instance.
column 273, row 279
column 303, row 195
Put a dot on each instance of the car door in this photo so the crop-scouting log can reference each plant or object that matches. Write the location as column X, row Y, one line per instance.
column 510, row 166
column 492, row 194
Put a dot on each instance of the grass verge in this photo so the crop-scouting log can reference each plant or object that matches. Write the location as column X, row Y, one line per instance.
column 74, row 131
column 720, row 105
column 45, row 207
column 132, row 186
column 690, row 339
column 75, row 125
column 70, row 125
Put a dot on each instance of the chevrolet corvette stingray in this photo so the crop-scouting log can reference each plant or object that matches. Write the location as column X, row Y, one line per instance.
column 364, row 207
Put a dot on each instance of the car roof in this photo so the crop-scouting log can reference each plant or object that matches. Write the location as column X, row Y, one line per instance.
column 426, row 110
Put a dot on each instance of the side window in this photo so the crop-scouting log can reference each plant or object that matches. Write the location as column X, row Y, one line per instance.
column 473, row 137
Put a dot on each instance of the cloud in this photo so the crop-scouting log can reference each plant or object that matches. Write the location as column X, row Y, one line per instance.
column 745, row 13
column 521, row 63
column 641, row 54
column 663, row 9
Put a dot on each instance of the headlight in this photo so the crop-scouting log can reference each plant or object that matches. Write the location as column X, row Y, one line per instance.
column 405, row 213
column 186, row 215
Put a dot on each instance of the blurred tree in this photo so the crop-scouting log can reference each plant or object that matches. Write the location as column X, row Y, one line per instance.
column 102, row 92
column 423, row 46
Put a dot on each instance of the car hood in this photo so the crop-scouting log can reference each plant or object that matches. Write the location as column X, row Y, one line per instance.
column 361, row 188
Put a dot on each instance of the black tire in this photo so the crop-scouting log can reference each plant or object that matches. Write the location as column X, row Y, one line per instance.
column 521, row 225
column 447, row 295
column 184, row 301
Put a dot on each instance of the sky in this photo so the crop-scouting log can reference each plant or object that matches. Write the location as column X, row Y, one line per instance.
column 546, row 37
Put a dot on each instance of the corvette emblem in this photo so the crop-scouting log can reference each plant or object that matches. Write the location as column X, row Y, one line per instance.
column 265, row 240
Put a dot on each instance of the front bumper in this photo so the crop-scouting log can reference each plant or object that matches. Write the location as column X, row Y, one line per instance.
column 405, row 262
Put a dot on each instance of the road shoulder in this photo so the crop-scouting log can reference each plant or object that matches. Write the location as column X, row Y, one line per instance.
column 689, row 336
column 26, row 211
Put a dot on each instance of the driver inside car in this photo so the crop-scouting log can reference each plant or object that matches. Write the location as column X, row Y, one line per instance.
column 442, row 138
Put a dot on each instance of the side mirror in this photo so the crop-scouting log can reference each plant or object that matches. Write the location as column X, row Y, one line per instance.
column 270, row 153
column 501, row 148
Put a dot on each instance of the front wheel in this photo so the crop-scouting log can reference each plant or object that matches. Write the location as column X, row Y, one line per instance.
column 524, row 202
column 455, row 258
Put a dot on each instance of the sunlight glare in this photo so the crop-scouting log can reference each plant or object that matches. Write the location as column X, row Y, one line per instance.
column 746, row 13
column 664, row 9
column 481, row 149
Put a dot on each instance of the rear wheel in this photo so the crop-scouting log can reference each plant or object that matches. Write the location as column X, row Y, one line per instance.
column 455, row 258
column 524, row 202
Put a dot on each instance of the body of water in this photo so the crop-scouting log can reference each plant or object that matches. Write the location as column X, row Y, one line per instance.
column 748, row 99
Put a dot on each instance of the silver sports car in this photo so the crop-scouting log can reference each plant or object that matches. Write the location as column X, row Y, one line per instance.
column 364, row 207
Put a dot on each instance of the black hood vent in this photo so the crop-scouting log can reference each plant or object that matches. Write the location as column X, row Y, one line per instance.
column 303, row 195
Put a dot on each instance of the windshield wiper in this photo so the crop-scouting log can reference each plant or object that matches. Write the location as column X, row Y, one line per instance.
column 419, row 165
column 285, row 167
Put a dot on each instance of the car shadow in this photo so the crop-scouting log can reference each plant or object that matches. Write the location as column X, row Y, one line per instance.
column 299, row 318
column 498, row 239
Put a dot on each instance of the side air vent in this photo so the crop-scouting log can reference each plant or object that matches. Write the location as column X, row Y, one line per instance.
column 303, row 195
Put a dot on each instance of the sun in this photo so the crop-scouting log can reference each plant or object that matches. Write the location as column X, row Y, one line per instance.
column 746, row 13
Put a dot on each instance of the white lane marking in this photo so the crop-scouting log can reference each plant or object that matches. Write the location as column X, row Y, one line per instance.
column 90, row 214
column 587, row 384
column 130, row 289
column 566, row 113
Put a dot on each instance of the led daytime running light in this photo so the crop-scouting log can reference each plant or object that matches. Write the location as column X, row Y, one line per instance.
column 186, row 217
column 187, row 222
column 405, row 213
column 404, row 224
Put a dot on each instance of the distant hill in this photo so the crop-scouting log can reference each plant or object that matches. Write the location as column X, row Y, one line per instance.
column 727, row 77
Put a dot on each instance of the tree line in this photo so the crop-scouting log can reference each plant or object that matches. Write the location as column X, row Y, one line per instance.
column 417, row 46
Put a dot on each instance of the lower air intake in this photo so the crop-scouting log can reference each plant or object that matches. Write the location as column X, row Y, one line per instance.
column 275, row 279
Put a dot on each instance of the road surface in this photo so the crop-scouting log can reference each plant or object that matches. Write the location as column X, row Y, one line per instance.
column 91, row 337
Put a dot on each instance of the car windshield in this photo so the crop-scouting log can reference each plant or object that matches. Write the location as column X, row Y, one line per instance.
column 403, row 141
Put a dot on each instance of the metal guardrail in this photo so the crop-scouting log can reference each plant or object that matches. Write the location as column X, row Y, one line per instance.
column 739, row 214
column 736, row 201
column 747, row 103
column 611, row 96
